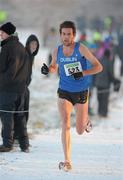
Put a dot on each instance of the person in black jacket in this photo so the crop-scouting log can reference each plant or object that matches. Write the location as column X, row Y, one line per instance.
column 120, row 51
column 32, row 47
column 103, row 81
column 14, row 66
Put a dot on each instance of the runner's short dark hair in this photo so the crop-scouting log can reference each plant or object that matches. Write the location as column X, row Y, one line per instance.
column 67, row 24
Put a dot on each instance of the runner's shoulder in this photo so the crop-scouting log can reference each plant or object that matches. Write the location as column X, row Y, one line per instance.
column 83, row 49
column 54, row 54
column 55, row 51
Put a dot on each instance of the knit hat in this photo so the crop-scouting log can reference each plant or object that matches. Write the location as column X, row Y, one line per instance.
column 8, row 28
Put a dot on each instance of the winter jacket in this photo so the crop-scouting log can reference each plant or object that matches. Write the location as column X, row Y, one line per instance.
column 120, row 47
column 14, row 64
column 106, row 77
column 31, row 55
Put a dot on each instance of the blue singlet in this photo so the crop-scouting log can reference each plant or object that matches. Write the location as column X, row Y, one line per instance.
column 69, row 64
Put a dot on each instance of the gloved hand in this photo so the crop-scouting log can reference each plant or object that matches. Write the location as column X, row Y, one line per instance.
column 44, row 69
column 77, row 75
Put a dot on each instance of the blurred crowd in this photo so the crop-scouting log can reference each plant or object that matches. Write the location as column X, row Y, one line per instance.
column 106, row 50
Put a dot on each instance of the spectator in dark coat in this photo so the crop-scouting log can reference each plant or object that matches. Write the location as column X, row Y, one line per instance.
column 120, row 52
column 13, row 77
column 103, row 81
column 32, row 47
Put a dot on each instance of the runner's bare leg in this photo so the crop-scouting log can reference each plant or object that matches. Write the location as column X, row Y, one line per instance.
column 81, row 117
column 65, row 109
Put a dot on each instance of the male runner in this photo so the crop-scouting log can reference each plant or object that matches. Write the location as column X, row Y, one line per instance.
column 71, row 59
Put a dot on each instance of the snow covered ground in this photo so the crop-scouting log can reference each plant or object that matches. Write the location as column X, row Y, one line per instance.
column 95, row 156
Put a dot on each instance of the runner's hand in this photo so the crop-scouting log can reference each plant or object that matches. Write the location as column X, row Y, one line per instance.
column 77, row 75
column 44, row 69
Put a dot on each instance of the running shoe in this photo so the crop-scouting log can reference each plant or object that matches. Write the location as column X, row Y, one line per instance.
column 66, row 166
column 88, row 127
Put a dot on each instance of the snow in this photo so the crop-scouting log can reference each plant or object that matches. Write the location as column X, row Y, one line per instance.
column 97, row 155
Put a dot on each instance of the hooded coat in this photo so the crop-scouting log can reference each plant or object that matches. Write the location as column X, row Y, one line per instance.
column 31, row 55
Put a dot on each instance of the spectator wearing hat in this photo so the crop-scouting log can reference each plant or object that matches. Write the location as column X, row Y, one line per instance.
column 13, row 76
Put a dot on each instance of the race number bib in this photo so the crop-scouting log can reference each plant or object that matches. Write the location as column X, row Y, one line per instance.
column 72, row 68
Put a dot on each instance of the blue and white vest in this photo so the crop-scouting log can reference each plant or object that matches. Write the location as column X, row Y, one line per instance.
column 69, row 64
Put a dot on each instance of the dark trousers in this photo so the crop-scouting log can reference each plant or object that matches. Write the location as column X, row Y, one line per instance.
column 25, row 115
column 13, row 102
column 103, row 101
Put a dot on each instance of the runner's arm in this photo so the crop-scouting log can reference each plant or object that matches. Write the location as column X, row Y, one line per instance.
column 96, row 65
column 53, row 66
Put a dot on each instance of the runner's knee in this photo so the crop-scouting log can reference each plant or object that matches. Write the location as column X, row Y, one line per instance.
column 66, row 124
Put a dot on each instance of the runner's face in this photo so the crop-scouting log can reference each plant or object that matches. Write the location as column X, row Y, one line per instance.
column 67, row 36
